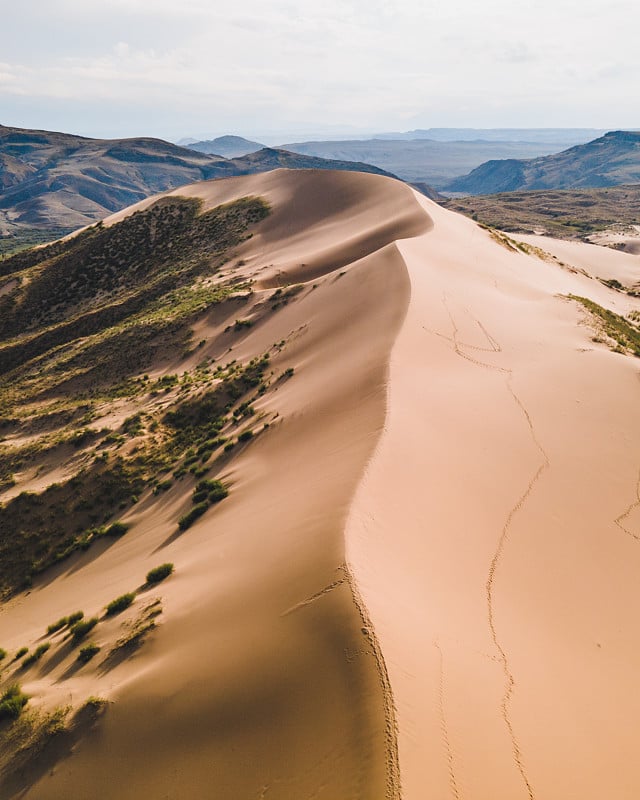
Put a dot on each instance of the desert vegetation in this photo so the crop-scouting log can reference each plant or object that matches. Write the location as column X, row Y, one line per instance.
column 159, row 573
column 86, row 653
column 622, row 333
column 65, row 328
column 12, row 701
column 120, row 604
column 81, row 628
column 565, row 214
column 37, row 654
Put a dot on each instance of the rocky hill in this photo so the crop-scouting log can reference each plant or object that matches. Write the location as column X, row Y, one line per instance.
column 53, row 183
column 227, row 146
column 611, row 160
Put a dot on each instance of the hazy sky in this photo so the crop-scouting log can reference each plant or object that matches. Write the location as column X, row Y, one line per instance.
column 194, row 67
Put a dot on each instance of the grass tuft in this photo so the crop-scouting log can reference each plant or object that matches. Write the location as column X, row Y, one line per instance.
column 37, row 654
column 87, row 652
column 624, row 333
column 58, row 625
column 82, row 628
column 12, row 702
column 120, row 603
column 159, row 573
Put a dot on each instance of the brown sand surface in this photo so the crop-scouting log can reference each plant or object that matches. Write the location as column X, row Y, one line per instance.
column 423, row 583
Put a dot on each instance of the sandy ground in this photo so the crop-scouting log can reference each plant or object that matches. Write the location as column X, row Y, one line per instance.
column 423, row 584
column 495, row 535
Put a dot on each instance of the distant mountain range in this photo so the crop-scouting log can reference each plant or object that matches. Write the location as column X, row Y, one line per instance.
column 434, row 156
column 53, row 183
column 424, row 160
column 227, row 146
column 611, row 160
column 557, row 137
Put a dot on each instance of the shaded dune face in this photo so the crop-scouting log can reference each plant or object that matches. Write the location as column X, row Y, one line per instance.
column 264, row 677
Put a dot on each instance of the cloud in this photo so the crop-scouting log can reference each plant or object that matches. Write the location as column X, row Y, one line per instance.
column 367, row 63
column 518, row 53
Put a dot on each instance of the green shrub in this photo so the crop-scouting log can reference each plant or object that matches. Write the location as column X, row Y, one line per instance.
column 57, row 626
column 12, row 702
column 245, row 436
column 82, row 628
column 116, row 529
column 215, row 490
column 163, row 486
column 75, row 617
column 190, row 517
column 94, row 704
column 87, row 652
column 36, row 655
column 120, row 603
column 21, row 652
column 158, row 574
column 3, row 654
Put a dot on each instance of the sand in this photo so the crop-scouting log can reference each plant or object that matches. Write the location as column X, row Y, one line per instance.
column 495, row 535
column 423, row 582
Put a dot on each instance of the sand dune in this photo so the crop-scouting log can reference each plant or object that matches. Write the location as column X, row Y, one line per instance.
column 423, row 581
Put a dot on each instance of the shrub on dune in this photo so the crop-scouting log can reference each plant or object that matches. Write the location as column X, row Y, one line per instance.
column 36, row 655
column 120, row 603
column 158, row 574
column 12, row 702
column 116, row 529
column 190, row 517
column 82, row 628
column 87, row 652
column 58, row 625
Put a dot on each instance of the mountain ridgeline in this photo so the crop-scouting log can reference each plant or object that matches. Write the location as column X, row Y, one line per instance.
column 611, row 160
column 54, row 183
column 227, row 146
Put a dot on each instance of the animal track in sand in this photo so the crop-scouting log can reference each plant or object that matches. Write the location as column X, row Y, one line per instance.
column 635, row 504
column 517, row 753
column 495, row 347
column 315, row 596
column 393, row 790
column 444, row 728
column 460, row 347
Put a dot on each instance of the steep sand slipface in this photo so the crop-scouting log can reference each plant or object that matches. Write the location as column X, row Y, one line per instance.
column 496, row 535
column 259, row 681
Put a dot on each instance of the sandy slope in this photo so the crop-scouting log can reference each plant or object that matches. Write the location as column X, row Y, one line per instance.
column 432, row 552
column 496, row 534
